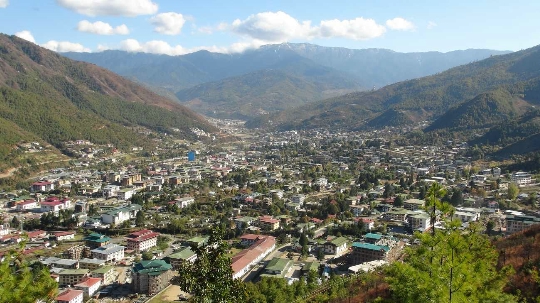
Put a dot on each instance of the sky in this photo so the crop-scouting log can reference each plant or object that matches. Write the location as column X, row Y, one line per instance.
column 176, row 27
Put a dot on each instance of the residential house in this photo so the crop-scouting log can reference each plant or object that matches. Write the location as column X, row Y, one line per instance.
column 184, row 202
column 335, row 246
column 63, row 235
column 277, row 268
column 413, row 204
column 121, row 214
column 185, row 254
column 105, row 273
column 26, row 205
column 420, row 221
column 91, row 264
column 95, row 240
column 521, row 178
column 41, row 186
column 268, row 223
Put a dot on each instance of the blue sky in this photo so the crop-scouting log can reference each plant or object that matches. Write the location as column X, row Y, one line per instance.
column 182, row 26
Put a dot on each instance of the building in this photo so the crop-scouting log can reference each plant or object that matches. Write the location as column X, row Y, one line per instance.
column 76, row 252
column 26, row 205
column 420, row 221
column 121, row 214
column 375, row 247
column 63, row 235
column 521, row 178
column 184, row 202
column 335, row 246
column 54, row 204
column 95, row 240
column 41, row 186
column 142, row 240
column 109, row 253
column 61, row 263
column 72, row 276
column 91, row 264
column 517, row 223
column 150, row 277
column 243, row 261
column 277, row 268
column 70, row 296
column 89, row 286
column 268, row 223
column 105, row 273
column 413, row 204
column 185, row 254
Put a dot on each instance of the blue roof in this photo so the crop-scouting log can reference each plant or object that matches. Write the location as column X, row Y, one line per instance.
column 373, row 236
column 370, row 246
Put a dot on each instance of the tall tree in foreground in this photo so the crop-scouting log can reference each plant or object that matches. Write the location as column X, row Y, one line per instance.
column 449, row 265
column 20, row 282
column 209, row 277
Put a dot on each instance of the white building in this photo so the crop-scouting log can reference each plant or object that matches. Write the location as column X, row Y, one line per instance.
column 109, row 252
column 120, row 214
column 335, row 246
column 521, row 178
column 110, row 190
column 125, row 194
column 70, row 296
column 184, row 202
column 142, row 240
column 89, row 286
column 27, row 205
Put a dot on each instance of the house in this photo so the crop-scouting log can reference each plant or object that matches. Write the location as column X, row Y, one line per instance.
column 125, row 194
column 89, row 286
column 36, row 235
column 26, row 205
column 150, row 277
column 243, row 222
column 105, row 273
column 54, row 204
column 121, row 214
column 249, row 239
column 61, row 263
column 110, row 191
column 357, row 210
column 109, row 253
column 95, row 240
column 72, row 276
column 521, row 178
column 268, row 223
column 243, row 261
column 185, row 254
column 184, row 202
column 41, row 186
column 277, row 268
column 63, row 235
column 142, row 240
column 70, row 296
column 298, row 198
column 466, row 215
column 335, row 246
column 397, row 214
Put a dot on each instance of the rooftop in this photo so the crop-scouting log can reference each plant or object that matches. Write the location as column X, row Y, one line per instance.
column 69, row 295
column 151, row 267
column 370, row 246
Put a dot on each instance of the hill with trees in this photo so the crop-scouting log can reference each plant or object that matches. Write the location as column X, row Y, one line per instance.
column 49, row 98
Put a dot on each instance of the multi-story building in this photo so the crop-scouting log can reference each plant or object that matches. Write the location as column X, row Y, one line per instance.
column 185, row 254
column 89, row 286
column 150, row 277
column 517, row 223
column 419, row 221
column 335, row 246
column 375, row 247
column 70, row 296
column 268, row 223
column 91, row 264
column 521, row 178
column 142, row 240
column 413, row 204
column 109, row 253
column 76, row 252
column 26, row 205
column 105, row 273
column 95, row 240
column 41, row 186
column 121, row 214
column 72, row 276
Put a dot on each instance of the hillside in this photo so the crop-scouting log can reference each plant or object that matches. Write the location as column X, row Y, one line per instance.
column 426, row 98
column 49, row 97
column 260, row 92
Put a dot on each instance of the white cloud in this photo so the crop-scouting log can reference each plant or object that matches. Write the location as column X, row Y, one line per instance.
column 164, row 48
column 168, row 23
column 431, row 24
column 102, row 28
column 4, row 3
column 65, row 46
column 26, row 35
column 356, row 29
column 127, row 8
column 280, row 27
column 400, row 24
column 102, row 47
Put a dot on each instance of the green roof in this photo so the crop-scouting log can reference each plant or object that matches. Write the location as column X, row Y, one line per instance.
column 151, row 267
column 102, row 270
column 130, row 207
column 74, row 272
column 95, row 237
column 277, row 264
column 339, row 241
column 311, row 266
column 370, row 246
column 373, row 236
column 198, row 240
column 184, row 254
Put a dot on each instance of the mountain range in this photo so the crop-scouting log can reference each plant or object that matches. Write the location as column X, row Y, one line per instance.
column 273, row 77
column 50, row 98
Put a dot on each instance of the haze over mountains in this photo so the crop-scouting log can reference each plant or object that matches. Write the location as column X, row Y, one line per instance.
column 274, row 77
column 45, row 96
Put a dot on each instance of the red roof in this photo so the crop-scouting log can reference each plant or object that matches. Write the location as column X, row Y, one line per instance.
column 89, row 282
column 63, row 233
column 142, row 235
column 36, row 233
column 69, row 295
column 41, row 183
column 26, row 202
column 51, row 203
column 250, row 237
column 248, row 255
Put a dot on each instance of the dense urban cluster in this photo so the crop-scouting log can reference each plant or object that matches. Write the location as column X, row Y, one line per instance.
column 291, row 205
